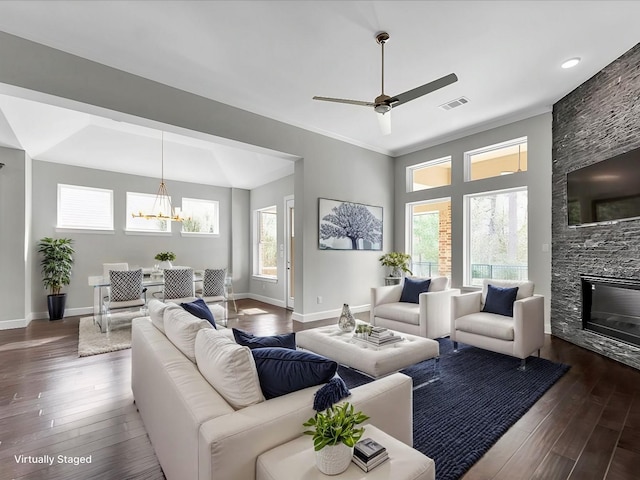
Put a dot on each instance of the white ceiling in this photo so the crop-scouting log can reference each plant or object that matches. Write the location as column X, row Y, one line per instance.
column 271, row 57
column 59, row 135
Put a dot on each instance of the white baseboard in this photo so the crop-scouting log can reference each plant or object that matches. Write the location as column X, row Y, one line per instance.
column 68, row 312
column 312, row 317
column 15, row 323
column 260, row 298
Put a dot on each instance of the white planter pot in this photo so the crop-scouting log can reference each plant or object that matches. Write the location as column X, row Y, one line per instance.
column 165, row 264
column 334, row 459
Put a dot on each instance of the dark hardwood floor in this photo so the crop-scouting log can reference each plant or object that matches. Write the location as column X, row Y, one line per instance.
column 586, row 427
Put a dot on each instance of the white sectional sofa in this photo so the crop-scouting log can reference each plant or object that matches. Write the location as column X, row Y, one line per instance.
column 196, row 434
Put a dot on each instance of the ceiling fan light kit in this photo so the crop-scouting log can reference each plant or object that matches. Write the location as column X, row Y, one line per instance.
column 383, row 103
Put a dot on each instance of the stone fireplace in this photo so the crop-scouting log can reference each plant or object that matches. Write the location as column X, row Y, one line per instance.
column 611, row 307
column 597, row 120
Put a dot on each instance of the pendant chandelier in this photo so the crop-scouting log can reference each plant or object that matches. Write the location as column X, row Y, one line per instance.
column 162, row 209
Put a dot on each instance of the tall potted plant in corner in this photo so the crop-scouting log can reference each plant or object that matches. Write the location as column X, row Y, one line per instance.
column 334, row 436
column 57, row 262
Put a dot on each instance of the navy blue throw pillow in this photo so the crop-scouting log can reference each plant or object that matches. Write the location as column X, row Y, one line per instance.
column 283, row 371
column 412, row 289
column 246, row 339
column 199, row 309
column 500, row 300
column 330, row 394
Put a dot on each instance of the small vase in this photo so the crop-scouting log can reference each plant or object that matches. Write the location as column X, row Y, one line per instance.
column 334, row 459
column 346, row 322
column 165, row 264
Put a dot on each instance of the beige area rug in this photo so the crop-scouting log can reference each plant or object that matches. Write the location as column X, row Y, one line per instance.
column 92, row 342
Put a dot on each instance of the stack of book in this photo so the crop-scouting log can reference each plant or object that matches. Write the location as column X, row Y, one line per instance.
column 368, row 454
column 382, row 336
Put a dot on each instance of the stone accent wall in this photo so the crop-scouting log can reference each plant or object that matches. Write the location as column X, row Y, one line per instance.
column 598, row 120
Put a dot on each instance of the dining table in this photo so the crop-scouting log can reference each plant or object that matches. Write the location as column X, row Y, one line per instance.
column 151, row 278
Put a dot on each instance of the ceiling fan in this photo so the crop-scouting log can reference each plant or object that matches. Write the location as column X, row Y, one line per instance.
column 384, row 103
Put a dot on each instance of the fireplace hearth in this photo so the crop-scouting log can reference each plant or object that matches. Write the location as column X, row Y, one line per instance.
column 611, row 307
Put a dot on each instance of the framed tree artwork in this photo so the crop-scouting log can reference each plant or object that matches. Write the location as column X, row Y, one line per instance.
column 349, row 226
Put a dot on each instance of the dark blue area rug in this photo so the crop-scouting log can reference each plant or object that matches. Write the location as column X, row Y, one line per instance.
column 479, row 395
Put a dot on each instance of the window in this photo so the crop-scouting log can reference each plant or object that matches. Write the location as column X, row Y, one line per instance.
column 143, row 202
column 265, row 261
column 84, row 208
column 429, row 238
column 495, row 160
column 201, row 216
column 496, row 236
column 435, row 173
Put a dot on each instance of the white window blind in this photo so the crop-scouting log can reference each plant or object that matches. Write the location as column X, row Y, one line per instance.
column 200, row 216
column 143, row 202
column 85, row 207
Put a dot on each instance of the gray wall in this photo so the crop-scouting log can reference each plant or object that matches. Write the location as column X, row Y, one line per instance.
column 598, row 120
column 329, row 168
column 266, row 196
column 240, row 240
column 94, row 248
column 537, row 179
column 14, row 223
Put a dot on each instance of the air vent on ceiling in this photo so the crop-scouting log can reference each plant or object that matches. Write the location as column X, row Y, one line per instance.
column 454, row 103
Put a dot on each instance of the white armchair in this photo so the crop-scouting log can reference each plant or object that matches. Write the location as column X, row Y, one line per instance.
column 429, row 318
column 518, row 336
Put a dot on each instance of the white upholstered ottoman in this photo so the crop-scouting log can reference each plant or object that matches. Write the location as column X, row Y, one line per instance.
column 332, row 343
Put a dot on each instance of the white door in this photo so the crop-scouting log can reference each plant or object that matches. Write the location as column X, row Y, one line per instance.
column 289, row 252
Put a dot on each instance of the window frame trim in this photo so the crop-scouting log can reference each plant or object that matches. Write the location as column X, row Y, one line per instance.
column 217, row 218
column 137, row 231
column 489, row 148
column 466, row 249
column 69, row 228
column 256, row 244
column 429, row 163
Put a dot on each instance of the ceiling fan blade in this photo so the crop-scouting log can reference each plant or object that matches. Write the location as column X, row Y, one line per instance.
column 342, row 100
column 384, row 120
column 422, row 90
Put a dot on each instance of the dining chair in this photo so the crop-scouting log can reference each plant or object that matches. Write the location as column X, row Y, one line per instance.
column 178, row 285
column 126, row 292
column 107, row 267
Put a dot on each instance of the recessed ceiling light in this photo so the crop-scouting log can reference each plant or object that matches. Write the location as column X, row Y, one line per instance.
column 572, row 62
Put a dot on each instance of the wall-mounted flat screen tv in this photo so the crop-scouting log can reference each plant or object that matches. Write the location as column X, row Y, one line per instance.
column 606, row 191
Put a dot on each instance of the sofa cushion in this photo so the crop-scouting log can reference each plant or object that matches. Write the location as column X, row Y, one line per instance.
column 412, row 289
column 525, row 288
column 500, row 300
column 228, row 367
column 287, row 340
column 156, row 312
column 201, row 310
column 181, row 329
column 283, row 371
column 399, row 311
column 487, row 324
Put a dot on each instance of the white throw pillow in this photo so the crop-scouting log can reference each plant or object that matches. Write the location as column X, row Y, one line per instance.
column 438, row 284
column 181, row 329
column 156, row 312
column 229, row 368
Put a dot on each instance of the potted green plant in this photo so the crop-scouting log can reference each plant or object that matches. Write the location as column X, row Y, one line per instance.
column 165, row 259
column 398, row 262
column 334, row 436
column 57, row 262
